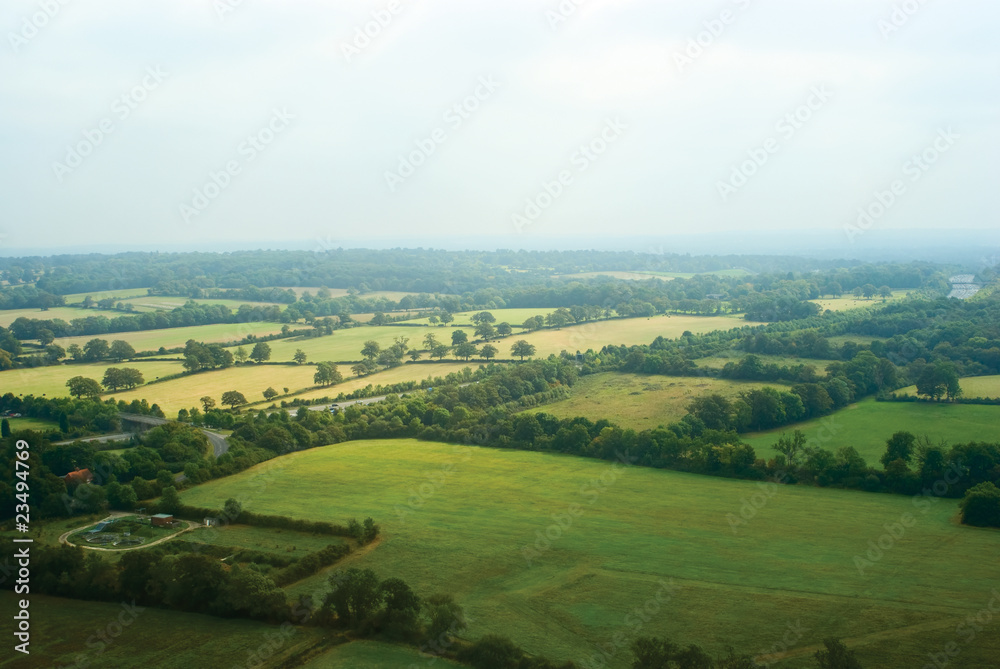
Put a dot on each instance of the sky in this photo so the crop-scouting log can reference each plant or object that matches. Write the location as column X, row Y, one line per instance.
column 322, row 124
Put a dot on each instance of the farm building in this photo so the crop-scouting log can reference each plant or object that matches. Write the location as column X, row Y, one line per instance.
column 162, row 519
column 79, row 476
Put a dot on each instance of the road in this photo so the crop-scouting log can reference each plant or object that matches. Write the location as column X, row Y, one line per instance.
column 121, row 436
column 218, row 441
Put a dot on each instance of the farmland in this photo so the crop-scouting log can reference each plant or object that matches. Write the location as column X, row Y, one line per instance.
column 972, row 386
column 8, row 316
column 513, row 317
column 793, row 563
column 868, row 424
column 849, row 302
column 152, row 340
column 637, row 401
column 401, row 374
column 51, row 381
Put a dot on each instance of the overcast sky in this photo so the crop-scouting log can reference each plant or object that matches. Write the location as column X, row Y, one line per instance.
column 117, row 114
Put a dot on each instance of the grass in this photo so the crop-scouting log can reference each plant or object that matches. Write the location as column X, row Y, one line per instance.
column 406, row 372
column 250, row 379
column 850, row 302
column 150, row 533
column 868, row 424
column 719, row 361
column 394, row 295
column 794, row 561
column 286, row 543
column 8, row 316
column 64, row 632
column 512, row 317
column 646, row 275
column 345, row 345
column 638, row 401
column 51, row 381
column 374, row 655
column 972, row 386
column 152, row 340
column 32, row 424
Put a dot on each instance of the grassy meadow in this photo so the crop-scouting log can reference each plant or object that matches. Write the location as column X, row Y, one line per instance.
column 868, row 424
column 8, row 316
column 374, row 655
column 513, row 317
column 286, row 543
column 152, row 340
column 401, row 374
column 639, row 401
column 847, row 301
column 972, row 386
column 457, row 520
column 32, row 424
column 51, row 381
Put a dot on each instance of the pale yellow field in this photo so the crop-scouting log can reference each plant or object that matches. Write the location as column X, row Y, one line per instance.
column 345, row 345
column 51, row 381
column 394, row 295
column 972, row 386
column 251, row 380
column 513, row 317
column 151, row 340
column 407, row 372
column 8, row 316
column 849, row 302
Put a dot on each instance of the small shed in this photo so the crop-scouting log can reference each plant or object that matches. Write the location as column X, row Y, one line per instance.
column 211, row 522
column 162, row 519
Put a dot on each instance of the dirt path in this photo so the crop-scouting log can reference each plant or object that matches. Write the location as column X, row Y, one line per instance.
column 64, row 538
column 853, row 642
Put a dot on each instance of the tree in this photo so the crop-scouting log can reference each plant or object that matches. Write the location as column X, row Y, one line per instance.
column 360, row 369
column 75, row 352
column 370, row 350
column 836, row 656
column 415, row 355
column 522, row 349
column 125, row 377
column 241, row 354
column 440, row 351
column 466, row 350
column 261, row 352
column 483, row 317
column 446, row 619
column 270, row 393
column 486, row 331
column 233, row 398
column 96, row 349
column 207, row 403
column 169, row 500
column 446, row 318
column 327, row 374
column 868, row 290
column 55, row 352
column 488, row 351
column 232, row 509
column 491, row 652
column 63, row 422
column 300, row 356
column 459, row 337
column 885, row 292
column 45, row 337
column 430, row 341
column 504, row 329
column 899, row 447
column 81, row 386
column 5, row 428
column 981, row 505
column 939, row 380
column 354, row 596
column 121, row 350
column 857, row 292
column 534, row 323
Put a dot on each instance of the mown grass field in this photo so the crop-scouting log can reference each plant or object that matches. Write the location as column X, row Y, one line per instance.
column 249, row 379
column 868, row 424
column 462, row 528
column 719, row 361
column 972, row 386
column 639, row 401
column 345, row 345
column 32, row 424
column 374, row 655
column 286, row 543
column 850, row 302
column 64, row 634
column 403, row 373
column 513, row 317
column 152, row 340
column 51, row 381
column 8, row 316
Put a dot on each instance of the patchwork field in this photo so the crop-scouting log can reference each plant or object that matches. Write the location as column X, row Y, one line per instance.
column 639, row 401
column 868, row 424
column 8, row 316
column 51, row 381
column 792, row 564
column 64, row 633
column 152, row 340
column 251, row 380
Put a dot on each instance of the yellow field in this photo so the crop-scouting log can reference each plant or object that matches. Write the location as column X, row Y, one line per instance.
column 51, row 381
column 849, row 302
column 630, row 332
column 394, row 295
column 638, row 401
column 407, row 372
column 251, row 380
column 8, row 316
column 151, row 340
column 345, row 345
column 122, row 293
column 972, row 386
column 513, row 317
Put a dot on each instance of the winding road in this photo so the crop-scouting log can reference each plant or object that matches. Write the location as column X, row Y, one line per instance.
column 219, row 443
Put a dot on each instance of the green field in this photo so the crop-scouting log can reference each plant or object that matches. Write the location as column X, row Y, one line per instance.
column 374, row 655
column 51, row 381
column 151, row 340
column 638, row 401
column 250, row 379
column 719, row 361
column 972, row 386
column 345, row 345
column 32, row 424
column 512, row 317
column 401, row 374
column 868, row 424
column 792, row 563
column 64, row 633
column 8, row 316
column 286, row 543
column 120, row 294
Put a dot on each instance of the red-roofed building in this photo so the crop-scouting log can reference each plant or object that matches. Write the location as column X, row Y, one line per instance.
column 78, row 476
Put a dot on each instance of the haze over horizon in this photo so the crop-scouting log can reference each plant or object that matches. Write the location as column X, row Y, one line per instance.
column 130, row 125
